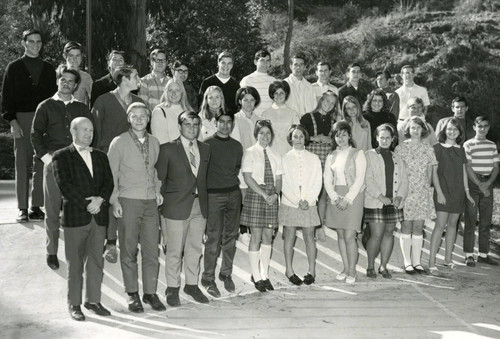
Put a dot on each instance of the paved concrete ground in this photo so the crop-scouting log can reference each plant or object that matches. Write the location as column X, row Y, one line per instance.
column 461, row 303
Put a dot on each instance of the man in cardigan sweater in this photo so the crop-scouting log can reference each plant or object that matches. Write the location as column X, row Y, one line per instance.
column 27, row 81
column 50, row 132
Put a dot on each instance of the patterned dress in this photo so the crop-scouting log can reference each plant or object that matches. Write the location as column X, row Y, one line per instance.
column 419, row 204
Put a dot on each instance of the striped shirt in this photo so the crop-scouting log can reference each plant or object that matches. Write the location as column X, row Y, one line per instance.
column 151, row 89
column 481, row 154
column 260, row 81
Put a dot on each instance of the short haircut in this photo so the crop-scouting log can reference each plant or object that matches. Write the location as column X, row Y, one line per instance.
column 419, row 121
column 301, row 128
column 480, row 119
column 367, row 107
column 261, row 54
column 29, row 32
column 155, row 52
column 183, row 116
column 71, row 45
column 415, row 100
column 338, row 128
column 324, row 63
column 408, row 67
column 113, row 52
column 64, row 69
column 458, row 125
column 385, row 73
column 123, row 71
column 354, row 64
column 389, row 128
column 224, row 113
column 459, row 99
column 298, row 56
column 138, row 105
column 224, row 54
column 275, row 85
column 178, row 63
column 260, row 124
column 242, row 91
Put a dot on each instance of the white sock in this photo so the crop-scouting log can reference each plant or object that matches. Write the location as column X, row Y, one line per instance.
column 416, row 249
column 265, row 259
column 405, row 243
column 253, row 257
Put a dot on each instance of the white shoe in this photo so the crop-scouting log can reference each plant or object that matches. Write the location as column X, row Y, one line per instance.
column 244, row 238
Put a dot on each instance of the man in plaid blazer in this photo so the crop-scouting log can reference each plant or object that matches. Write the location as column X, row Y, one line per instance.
column 86, row 183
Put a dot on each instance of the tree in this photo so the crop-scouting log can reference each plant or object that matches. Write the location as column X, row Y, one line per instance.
column 288, row 39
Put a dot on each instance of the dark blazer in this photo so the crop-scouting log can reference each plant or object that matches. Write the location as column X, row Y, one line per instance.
column 75, row 182
column 101, row 86
column 178, row 182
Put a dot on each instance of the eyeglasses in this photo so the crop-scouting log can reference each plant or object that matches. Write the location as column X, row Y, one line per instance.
column 182, row 71
column 160, row 61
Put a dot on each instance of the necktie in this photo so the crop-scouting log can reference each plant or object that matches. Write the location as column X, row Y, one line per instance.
column 268, row 172
column 192, row 157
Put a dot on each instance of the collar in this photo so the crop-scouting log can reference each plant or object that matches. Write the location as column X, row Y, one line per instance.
column 185, row 142
column 135, row 137
column 318, row 83
column 445, row 145
column 260, row 148
column 56, row 97
column 297, row 152
column 82, row 148
column 293, row 78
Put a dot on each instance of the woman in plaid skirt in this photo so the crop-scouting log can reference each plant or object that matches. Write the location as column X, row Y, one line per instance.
column 386, row 188
column 262, row 170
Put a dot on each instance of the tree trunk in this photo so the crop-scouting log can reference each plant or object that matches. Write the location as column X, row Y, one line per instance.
column 288, row 39
column 136, row 36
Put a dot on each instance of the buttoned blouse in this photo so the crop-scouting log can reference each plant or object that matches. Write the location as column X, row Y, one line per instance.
column 302, row 178
column 253, row 162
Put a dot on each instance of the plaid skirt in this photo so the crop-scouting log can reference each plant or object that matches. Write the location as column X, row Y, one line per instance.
column 321, row 150
column 386, row 214
column 256, row 212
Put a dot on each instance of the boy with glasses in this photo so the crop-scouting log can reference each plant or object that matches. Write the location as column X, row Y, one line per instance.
column 153, row 84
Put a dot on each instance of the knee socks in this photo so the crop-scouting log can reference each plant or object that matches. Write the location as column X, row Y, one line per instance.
column 416, row 249
column 254, row 258
column 405, row 242
column 265, row 259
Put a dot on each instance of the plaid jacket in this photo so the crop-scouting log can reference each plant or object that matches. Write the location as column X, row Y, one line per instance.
column 75, row 182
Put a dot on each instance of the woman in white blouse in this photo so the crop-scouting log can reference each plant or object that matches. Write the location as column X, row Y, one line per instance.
column 344, row 179
column 164, row 125
column 262, row 171
column 302, row 181
column 247, row 99
column 213, row 102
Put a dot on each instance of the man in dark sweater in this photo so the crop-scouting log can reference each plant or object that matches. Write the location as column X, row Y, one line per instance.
column 116, row 59
column 224, row 203
column 27, row 81
column 355, row 85
column 224, row 80
column 50, row 132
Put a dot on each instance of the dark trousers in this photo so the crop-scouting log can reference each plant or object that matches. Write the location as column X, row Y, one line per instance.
column 83, row 246
column 25, row 156
column 222, row 230
column 53, row 200
column 485, row 207
column 139, row 225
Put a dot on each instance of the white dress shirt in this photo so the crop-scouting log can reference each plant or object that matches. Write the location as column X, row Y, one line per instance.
column 85, row 154
column 254, row 161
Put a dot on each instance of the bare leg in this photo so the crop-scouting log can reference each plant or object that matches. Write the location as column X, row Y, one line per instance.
column 308, row 233
column 437, row 233
column 373, row 245
column 387, row 245
column 342, row 249
column 451, row 235
column 289, row 234
column 352, row 251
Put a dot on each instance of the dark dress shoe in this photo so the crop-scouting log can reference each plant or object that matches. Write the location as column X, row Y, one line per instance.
column 268, row 285
column 409, row 270
column 420, row 269
column 294, row 279
column 97, row 309
column 36, row 214
column 195, row 292
column 134, row 303
column 172, row 295
column 487, row 260
column 22, row 216
column 228, row 282
column 52, row 261
column 309, row 279
column 211, row 288
column 385, row 273
column 153, row 301
column 259, row 285
column 76, row 313
column 370, row 273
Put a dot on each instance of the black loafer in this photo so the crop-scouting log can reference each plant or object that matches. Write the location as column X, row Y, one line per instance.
column 370, row 273
column 172, row 295
column 211, row 288
column 134, row 303
column 195, row 292
column 420, row 269
column 309, row 279
column 35, row 213
column 409, row 270
column 294, row 279
column 52, row 261
column 76, row 313
column 153, row 301
column 259, row 285
column 228, row 282
column 268, row 285
column 385, row 273
column 97, row 309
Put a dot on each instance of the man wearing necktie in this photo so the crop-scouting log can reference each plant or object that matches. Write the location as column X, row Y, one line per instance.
column 182, row 168
column 84, row 177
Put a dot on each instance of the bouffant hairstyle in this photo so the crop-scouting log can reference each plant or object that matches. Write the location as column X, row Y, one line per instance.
column 301, row 128
column 419, row 121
